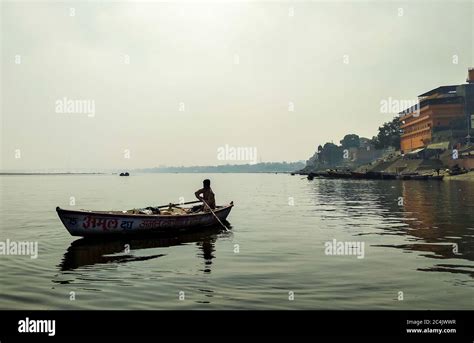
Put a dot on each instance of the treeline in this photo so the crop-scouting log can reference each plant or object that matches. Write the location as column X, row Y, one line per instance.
column 331, row 155
column 388, row 135
column 270, row 167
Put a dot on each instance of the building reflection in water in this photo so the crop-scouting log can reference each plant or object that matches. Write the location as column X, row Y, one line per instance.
column 441, row 216
column 437, row 215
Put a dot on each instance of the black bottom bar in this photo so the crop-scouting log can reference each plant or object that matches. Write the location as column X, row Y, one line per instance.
column 416, row 325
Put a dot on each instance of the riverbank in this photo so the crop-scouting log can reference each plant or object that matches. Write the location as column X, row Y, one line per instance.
column 464, row 177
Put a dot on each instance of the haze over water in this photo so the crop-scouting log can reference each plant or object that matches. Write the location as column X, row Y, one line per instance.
column 408, row 247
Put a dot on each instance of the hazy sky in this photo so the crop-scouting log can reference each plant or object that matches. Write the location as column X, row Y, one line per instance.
column 173, row 82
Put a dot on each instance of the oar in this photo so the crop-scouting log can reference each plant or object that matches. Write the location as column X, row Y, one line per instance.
column 184, row 203
column 210, row 209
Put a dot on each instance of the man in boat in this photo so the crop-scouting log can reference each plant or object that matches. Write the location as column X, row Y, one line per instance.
column 207, row 197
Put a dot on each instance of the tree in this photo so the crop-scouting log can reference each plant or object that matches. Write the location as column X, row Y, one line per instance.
column 388, row 136
column 350, row 141
column 331, row 154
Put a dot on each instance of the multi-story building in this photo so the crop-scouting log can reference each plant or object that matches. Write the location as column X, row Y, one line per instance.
column 442, row 108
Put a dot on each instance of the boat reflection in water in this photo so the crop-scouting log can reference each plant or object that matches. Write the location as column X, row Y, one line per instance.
column 88, row 252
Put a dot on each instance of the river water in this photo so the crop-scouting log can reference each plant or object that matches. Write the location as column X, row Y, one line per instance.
column 416, row 241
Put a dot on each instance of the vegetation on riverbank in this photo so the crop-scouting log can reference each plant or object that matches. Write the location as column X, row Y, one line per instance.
column 270, row 167
column 354, row 151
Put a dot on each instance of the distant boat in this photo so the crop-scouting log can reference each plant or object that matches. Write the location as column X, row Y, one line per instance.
column 124, row 174
column 358, row 175
column 420, row 177
column 377, row 175
column 454, row 172
column 407, row 176
column 416, row 176
column 389, row 176
column 339, row 174
column 103, row 223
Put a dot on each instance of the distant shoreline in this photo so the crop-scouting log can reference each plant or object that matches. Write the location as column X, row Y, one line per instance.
column 53, row 173
column 160, row 172
column 260, row 168
column 263, row 167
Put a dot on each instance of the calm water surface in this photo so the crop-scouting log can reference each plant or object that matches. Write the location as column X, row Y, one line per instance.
column 409, row 229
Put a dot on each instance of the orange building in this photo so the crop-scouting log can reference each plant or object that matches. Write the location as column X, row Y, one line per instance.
column 437, row 109
column 442, row 108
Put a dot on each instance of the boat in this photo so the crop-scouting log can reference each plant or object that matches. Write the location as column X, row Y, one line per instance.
column 455, row 172
column 124, row 174
column 417, row 176
column 421, row 177
column 339, row 174
column 373, row 175
column 86, row 223
column 388, row 176
column 358, row 175
column 407, row 176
